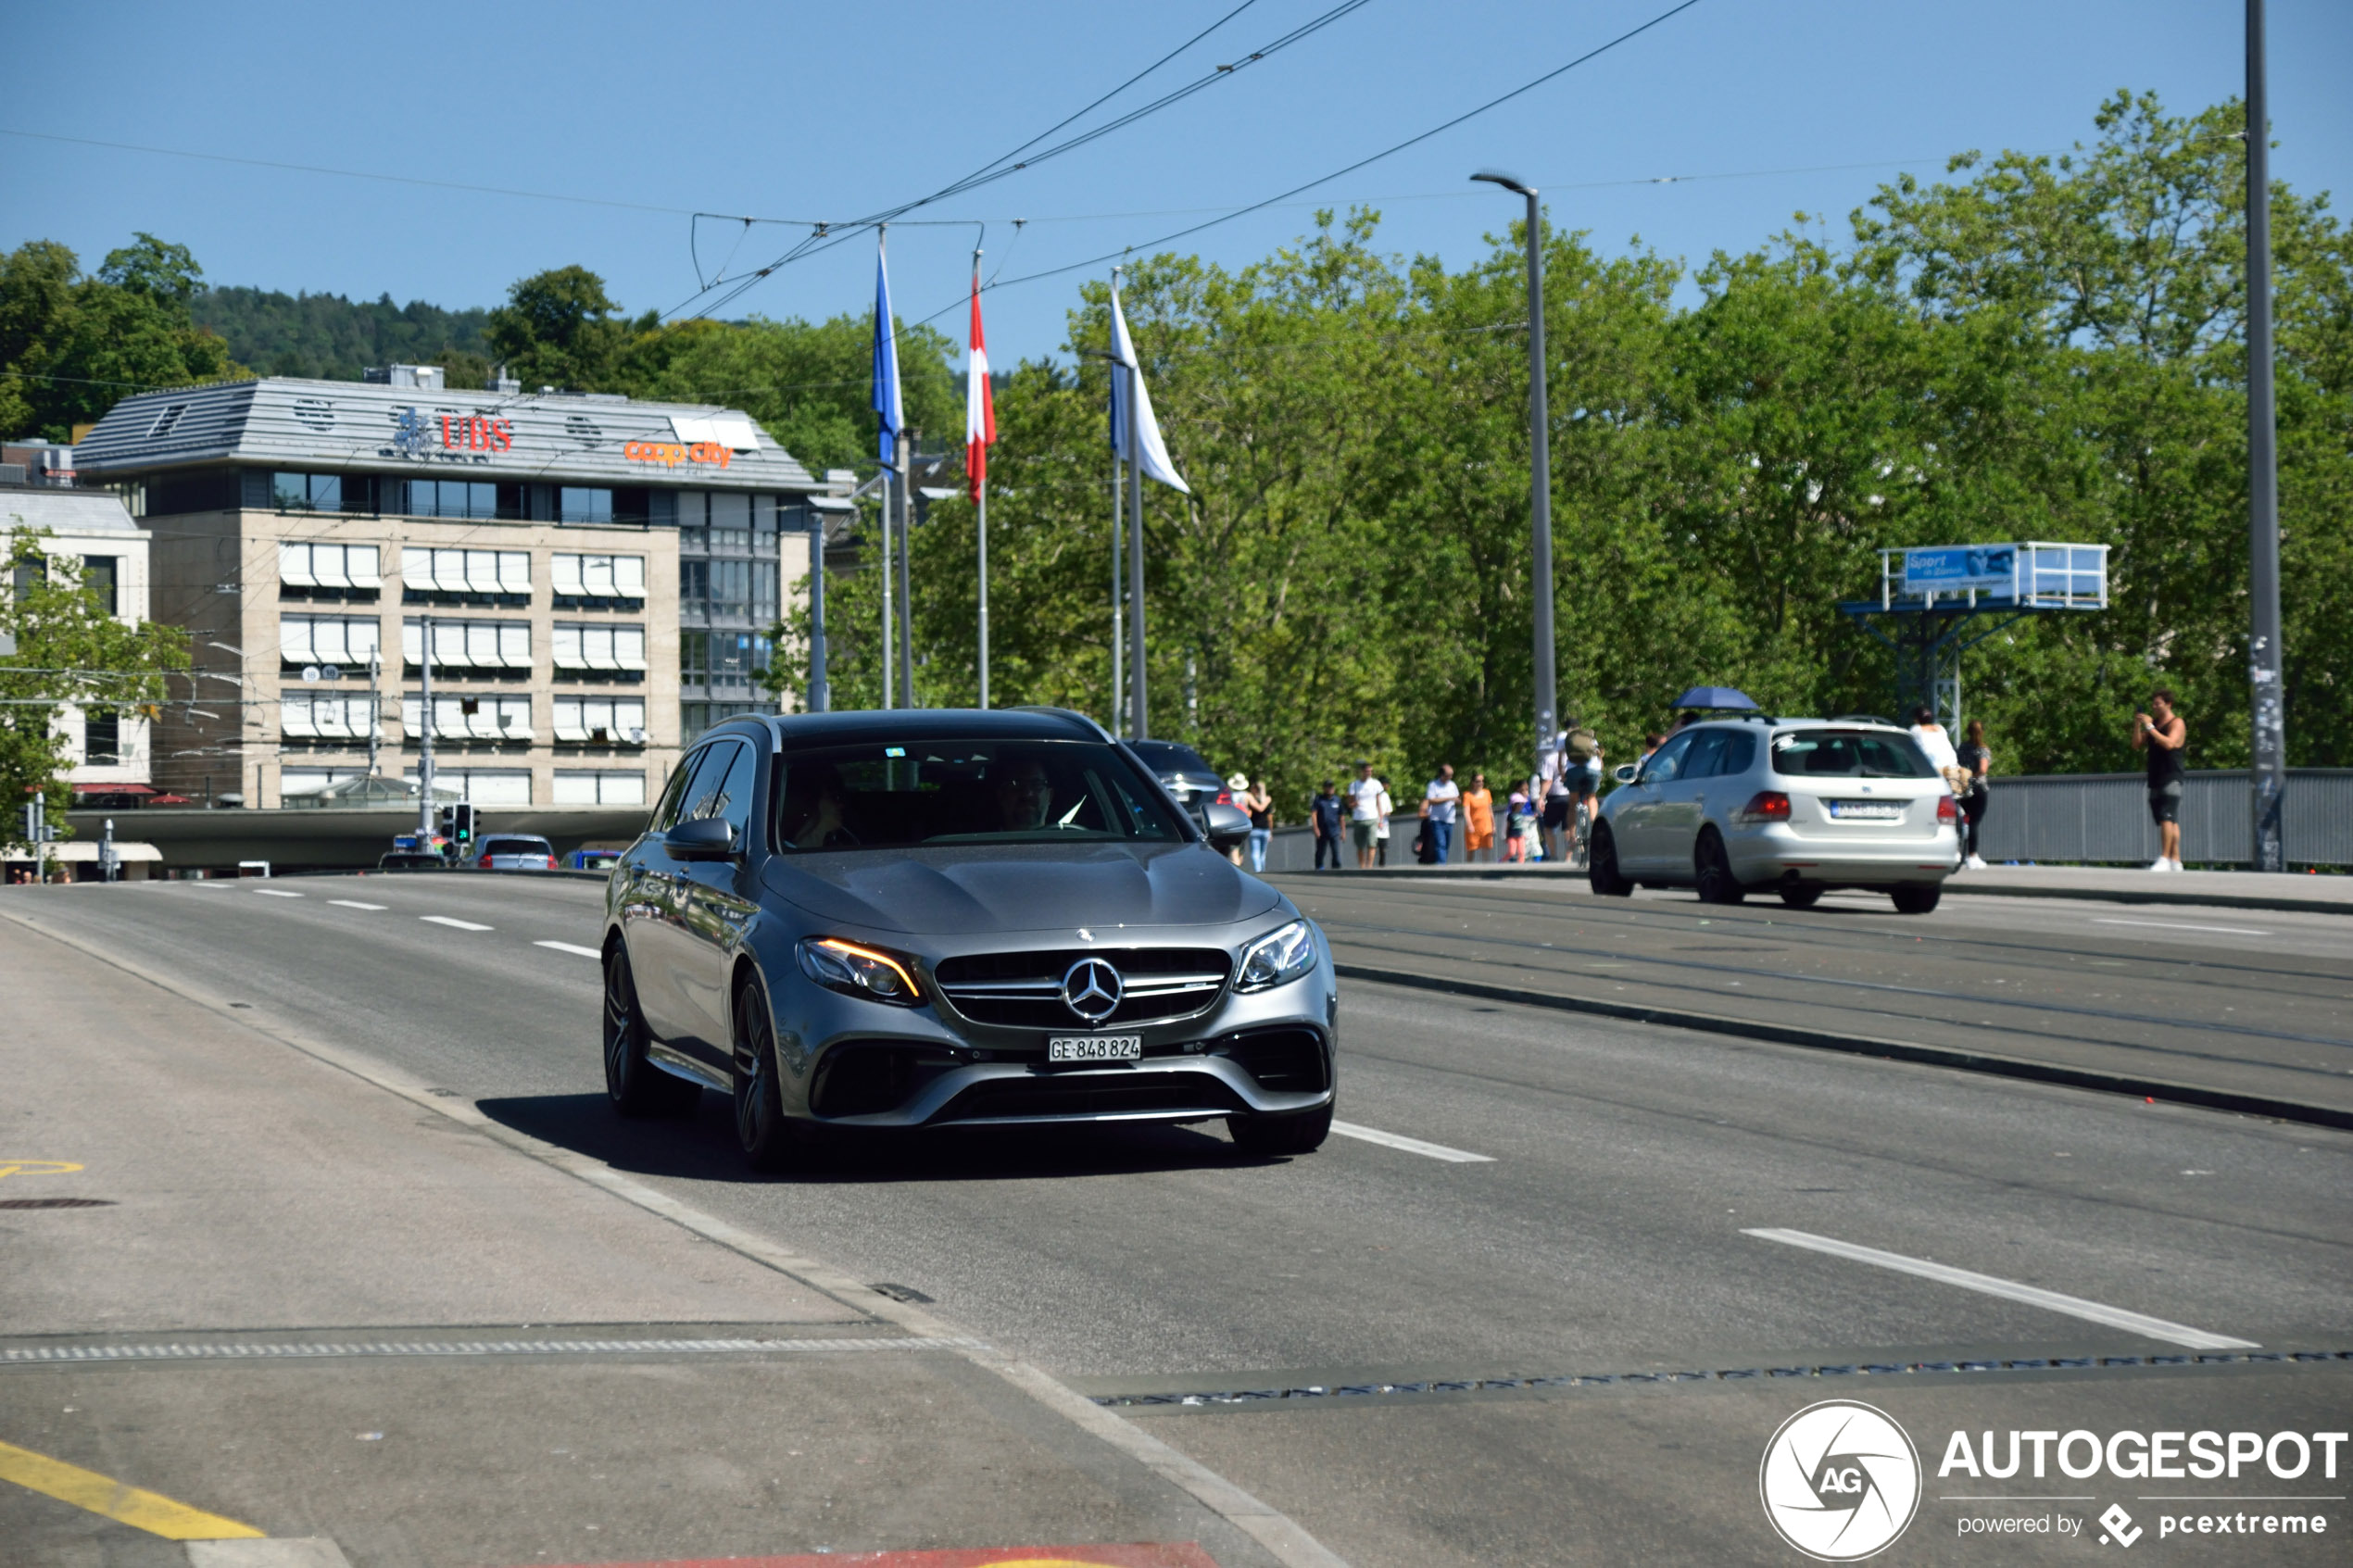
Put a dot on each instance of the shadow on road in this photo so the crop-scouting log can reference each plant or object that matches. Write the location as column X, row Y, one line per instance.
column 702, row 1146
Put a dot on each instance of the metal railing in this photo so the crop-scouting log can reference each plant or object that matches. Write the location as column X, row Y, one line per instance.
column 2104, row 817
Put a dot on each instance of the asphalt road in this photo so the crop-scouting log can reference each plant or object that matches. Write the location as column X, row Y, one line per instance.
column 1604, row 1229
column 2255, row 1002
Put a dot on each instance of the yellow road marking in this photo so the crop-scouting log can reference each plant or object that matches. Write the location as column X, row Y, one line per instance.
column 37, row 1167
column 108, row 1497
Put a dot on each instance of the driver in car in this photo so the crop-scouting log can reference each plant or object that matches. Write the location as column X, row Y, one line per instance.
column 819, row 821
column 1023, row 794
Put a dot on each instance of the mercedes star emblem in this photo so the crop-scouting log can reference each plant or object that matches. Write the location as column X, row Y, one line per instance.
column 1093, row 989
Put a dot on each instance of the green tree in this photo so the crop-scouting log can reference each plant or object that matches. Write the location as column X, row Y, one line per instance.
column 558, row 329
column 63, row 648
column 71, row 346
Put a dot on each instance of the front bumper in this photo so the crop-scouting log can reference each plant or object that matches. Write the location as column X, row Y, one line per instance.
column 851, row 1063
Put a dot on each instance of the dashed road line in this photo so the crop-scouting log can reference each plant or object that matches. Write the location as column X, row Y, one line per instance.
column 571, row 947
column 2034, row 1296
column 454, row 923
column 110, row 1498
column 2177, row 925
column 277, row 892
column 1412, row 1145
column 354, row 904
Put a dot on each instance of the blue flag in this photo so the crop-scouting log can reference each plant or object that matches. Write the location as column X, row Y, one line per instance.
column 885, row 363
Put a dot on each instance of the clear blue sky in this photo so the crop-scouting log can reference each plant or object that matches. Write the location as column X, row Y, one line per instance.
column 832, row 111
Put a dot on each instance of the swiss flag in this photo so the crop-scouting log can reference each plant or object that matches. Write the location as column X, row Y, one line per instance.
column 980, row 409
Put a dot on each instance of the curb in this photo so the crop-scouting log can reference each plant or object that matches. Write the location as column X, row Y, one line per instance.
column 1990, row 1062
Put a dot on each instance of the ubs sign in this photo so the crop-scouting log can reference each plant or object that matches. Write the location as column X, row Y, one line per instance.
column 414, row 435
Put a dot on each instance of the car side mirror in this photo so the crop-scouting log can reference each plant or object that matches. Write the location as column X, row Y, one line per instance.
column 705, row 838
column 1624, row 773
column 1228, row 825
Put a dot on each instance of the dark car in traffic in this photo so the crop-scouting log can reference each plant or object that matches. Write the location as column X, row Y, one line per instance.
column 919, row 918
column 1186, row 775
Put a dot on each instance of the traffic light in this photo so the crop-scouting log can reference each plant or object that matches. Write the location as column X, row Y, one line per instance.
column 457, row 821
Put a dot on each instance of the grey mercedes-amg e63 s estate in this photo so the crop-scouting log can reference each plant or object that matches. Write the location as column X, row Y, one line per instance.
column 930, row 918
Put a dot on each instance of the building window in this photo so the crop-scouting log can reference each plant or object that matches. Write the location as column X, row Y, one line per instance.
column 484, row 786
column 730, row 590
column 30, row 571
column 602, row 648
column 102, row 738
column 328, row 572
column 694, row 588
column 468, row 645
column 694, row 718
column 468, row 716
column 101, row 575
column 585, row 506
column 489, row 577
column 331, row 716
column 693, row 659
column 600, row 720
column 595, row 580
column 344, row 641
column 307, row 491
column 599, row 789
column 445, row 497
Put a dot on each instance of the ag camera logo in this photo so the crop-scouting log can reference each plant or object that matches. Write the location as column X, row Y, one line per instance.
column 1840, row 1481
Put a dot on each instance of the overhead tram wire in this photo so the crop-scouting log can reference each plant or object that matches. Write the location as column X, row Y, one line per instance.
column 1525, row 87
column 825, row 236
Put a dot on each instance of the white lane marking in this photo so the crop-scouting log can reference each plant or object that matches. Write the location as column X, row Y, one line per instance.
column 1412, row 1145
column 454, row 921
column 277, row 893
column 2074, row 1306
column 2177, row 925
column 354, row 904
column 571, row 947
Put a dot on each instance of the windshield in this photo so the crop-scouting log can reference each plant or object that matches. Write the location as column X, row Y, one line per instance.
column 876, row 795
column 1849, row 754
column 1168, row 756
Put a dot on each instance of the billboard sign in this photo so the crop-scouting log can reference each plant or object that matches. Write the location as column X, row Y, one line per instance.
column 1951, row 568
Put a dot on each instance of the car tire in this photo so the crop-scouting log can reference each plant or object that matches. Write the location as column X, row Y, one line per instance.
column 635, row 1085
column 1916, row 897
column 1717, row 883
column 1601, row 864
column 1801, row 897
column 1267, row 1136
column 771, row 1141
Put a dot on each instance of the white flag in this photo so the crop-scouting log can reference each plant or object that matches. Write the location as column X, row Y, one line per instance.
column 1135, row 435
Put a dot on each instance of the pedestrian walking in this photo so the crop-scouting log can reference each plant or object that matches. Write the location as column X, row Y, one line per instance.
column 2164, row 736
column 1237, row 786
column 1325, row 814
column 1936, row 745
column 1380, row 825
column 1440, row 799
column 1558, row 800
column 1261, row 807
column 1517, row 824
column 1979, row 761
column 1366, row 817
column 1478, row 821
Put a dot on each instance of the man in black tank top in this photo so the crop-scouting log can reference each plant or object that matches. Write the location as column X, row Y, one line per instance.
column 2162, row 735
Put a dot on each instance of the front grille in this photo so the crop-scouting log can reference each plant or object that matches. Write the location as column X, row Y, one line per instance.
column 1283, row 1061
column 1023, row 990
column 1091, row 1094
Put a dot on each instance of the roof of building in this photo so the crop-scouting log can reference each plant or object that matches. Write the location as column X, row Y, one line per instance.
column 64, row 511
column 595, row 439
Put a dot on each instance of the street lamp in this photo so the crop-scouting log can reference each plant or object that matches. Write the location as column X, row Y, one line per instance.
column 1540, row 501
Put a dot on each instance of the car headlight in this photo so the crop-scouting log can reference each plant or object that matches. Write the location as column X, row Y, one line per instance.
column 860, row 972
column 1276, row 957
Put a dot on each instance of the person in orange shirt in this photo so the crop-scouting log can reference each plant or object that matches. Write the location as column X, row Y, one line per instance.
column 1479, row 820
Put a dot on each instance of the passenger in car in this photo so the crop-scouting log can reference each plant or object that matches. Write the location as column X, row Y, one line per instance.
column 1025, row 795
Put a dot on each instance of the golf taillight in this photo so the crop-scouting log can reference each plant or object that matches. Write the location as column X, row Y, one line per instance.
column 1765, row 806
column 1948, row 809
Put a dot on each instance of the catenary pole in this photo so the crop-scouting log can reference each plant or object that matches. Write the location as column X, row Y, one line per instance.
column 1540, row 505
column 424, row 728
column 820, row 698
column 1139, row 722
column 2269, row 773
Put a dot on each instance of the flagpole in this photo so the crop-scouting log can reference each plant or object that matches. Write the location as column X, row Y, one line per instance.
column 1139, row 724
column 906, row 579
column 1118, row 532
column 978, row 364
column 820, row 696
column 889, row 624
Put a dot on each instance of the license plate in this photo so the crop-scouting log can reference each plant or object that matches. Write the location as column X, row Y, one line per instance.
column 1094, row 1048
column 1867, row 810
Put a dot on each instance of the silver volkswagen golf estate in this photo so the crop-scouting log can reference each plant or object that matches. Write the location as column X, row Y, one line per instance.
column 932, row 918
column 1789, row 806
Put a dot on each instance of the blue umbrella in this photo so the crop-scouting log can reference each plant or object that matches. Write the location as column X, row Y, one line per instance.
column 1715, row 697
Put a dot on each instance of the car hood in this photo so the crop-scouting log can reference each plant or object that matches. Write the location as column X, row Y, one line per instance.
column 969, row 891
